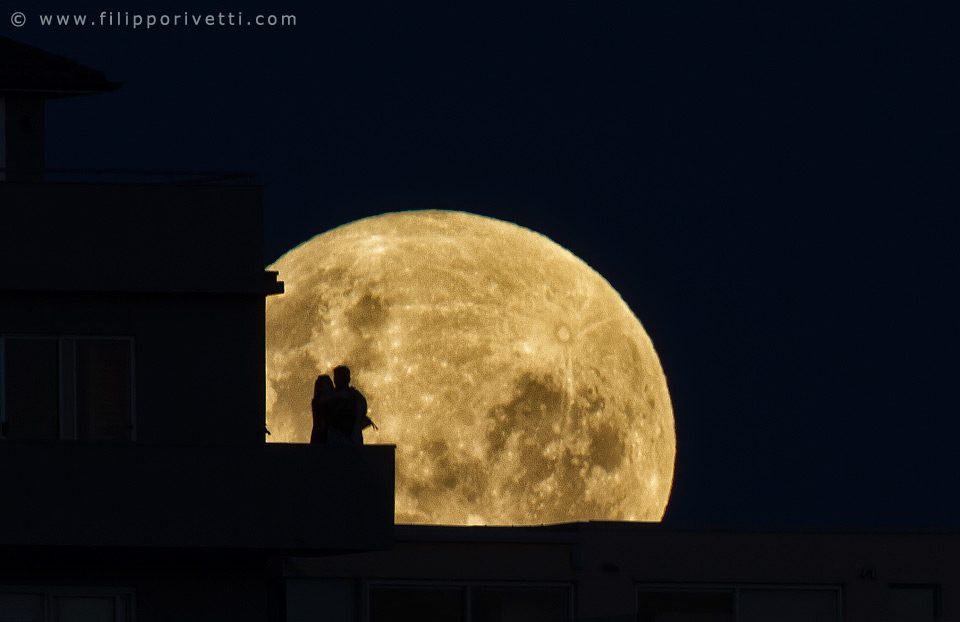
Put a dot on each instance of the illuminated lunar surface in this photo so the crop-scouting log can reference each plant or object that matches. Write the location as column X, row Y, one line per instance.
column 516, row 384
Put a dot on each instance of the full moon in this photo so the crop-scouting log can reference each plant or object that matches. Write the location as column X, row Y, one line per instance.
column 516, row 384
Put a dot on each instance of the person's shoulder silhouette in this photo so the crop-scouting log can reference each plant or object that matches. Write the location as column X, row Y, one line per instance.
column 351, row 409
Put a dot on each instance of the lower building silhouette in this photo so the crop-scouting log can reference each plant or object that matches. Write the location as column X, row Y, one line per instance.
column 622, row 571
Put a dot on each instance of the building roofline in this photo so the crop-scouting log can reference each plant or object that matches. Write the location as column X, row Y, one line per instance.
column 570, row 532
column 29, row 70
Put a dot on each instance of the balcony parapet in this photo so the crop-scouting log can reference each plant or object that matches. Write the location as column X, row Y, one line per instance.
column 276, row 498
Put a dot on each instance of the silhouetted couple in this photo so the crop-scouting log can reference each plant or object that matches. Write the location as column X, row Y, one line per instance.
column 339, row 410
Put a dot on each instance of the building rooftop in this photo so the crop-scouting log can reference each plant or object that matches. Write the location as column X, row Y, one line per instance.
column 570, row 532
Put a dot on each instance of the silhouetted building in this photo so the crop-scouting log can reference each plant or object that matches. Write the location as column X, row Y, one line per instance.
column 622, row 572
column 136, row 481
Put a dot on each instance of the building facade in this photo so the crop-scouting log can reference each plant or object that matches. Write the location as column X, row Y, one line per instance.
column 640, row 572
column 137, row 483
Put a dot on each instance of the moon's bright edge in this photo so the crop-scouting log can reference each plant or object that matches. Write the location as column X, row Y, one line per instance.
column 516, row 384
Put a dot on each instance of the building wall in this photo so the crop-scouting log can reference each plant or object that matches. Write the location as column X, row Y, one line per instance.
column 176, row 268
column 198, row 358
column 131, row 238
column 156, row 587
column 614, row 570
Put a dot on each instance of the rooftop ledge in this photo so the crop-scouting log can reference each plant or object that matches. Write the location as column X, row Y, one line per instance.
column 277, row 498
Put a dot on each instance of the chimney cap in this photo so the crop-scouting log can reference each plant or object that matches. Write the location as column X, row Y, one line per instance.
column 31, row 70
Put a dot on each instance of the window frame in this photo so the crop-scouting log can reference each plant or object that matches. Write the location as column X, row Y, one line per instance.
column 125, row 603
column 467, row 587
column 935, row 588
column 734, row 590
column 67, row 417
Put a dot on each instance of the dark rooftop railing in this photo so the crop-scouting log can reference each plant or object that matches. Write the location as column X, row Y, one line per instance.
column 120, row 176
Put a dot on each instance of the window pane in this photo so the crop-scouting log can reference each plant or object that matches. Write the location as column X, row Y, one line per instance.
column 103, row 389
column 415, row 604
column 31, row 388
column 21, row 607
column 685, row 606
column 313, row 600
column 913, row 603
column 85, row 609
column 520, row 605
column 790, row 605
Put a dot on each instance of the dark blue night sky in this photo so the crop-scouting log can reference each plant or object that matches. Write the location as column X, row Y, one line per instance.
column 773, row 191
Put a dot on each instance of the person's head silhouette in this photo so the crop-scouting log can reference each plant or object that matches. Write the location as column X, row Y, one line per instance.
column 322, row 385
column 341, row 377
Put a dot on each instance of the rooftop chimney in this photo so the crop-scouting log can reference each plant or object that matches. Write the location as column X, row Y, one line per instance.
column 29, row 77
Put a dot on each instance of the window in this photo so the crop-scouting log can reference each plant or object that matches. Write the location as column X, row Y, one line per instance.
column 788, row 604
column 912, row 602
column 685, row 606
column 423, row 604
column 470, row 603
column 103, row 382
column 47, row 604
column 312, row 600
column 748, row 603
column 31, row 388
column 66, row 388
